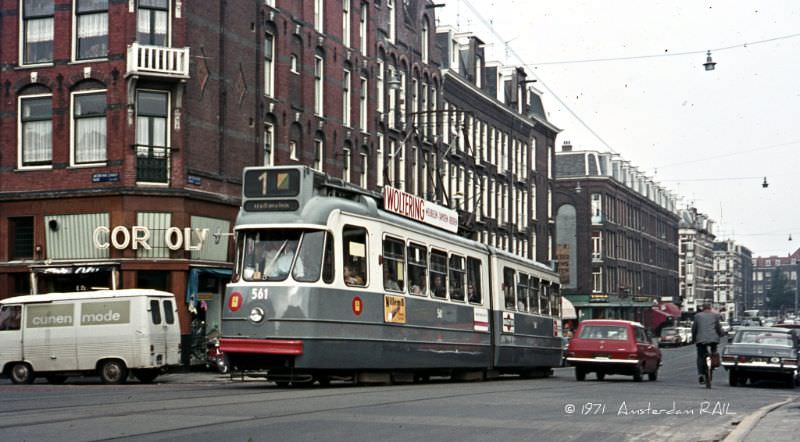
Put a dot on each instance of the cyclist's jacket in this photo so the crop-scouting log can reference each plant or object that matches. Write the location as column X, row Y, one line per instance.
column 706, row 328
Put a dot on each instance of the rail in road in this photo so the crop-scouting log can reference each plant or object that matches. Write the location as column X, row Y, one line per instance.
column 188, row 407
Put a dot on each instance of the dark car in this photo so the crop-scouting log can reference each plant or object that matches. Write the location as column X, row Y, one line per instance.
column 762, row 353
column 606, row 346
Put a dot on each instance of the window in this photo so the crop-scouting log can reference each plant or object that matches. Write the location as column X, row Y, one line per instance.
column 293, row 150
column 269, row 66
column 439, row 274
column 307, row 266
column 522, row 293
column 508, row 288
column 36, row 127
column 417, row 269
column 362, row 30
column 269, row 145
column 346, row 23
column 346, row 98
column 362, row 104
column 379, row 84
column 169, row 312
column 37, row 45
column 363, row 177
column 328, row 271
column 152, row 136
column 474, row 281
column 392, row 21
column 152, row 22
column 380, row 166
column 544, row 298
column 89, row 128
column 393, row 264
column 354, row 247
column 155, row 312
column 10, row 317
column 20, row 235
column 597, row 245
column 91, row 33
column 457, row 278
column 318, row 90
column 425, row 40
column 533, row 295
column 319, row 15
column 319, row 151
column 293, row 64
column 346, row 164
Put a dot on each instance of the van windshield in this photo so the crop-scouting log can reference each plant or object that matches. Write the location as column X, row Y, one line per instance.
column 274, row 254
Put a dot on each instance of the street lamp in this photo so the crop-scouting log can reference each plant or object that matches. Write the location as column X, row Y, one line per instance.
column 709, row 64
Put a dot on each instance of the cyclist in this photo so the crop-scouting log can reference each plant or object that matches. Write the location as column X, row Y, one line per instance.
column 706, row 330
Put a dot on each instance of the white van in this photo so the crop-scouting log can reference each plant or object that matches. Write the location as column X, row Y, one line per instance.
column 108, row 333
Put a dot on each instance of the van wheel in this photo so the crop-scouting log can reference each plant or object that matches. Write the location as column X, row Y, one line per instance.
column 580, row 374
column 22, row 373
column 145, row 376
column 56, row 379
column 113, row 372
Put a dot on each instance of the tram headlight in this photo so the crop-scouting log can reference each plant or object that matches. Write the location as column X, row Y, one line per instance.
column 257, row 314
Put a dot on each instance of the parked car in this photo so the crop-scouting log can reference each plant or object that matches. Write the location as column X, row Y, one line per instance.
column 762, row 353
column 726, row 327
column 670, row 337
column 606, row 346
column 686, row 334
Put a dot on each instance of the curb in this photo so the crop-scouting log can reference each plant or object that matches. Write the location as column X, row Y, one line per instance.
column 747, row 424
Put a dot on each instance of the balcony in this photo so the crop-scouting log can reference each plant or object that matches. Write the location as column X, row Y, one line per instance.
column 158, row 61
column 152, row 164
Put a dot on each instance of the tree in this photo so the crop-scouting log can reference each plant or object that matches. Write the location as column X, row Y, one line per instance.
column 780, row 295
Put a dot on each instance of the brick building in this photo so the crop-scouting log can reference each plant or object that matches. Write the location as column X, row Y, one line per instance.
column 617, row 236
column 695, row 260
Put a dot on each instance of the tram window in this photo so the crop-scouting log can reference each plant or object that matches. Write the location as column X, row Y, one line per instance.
column 354, row 247
column 456, row 278
column 328, row 270
column 438, row 274
column 417, row 269
column 533, row 295
column 555, row 306
column 474, row 281
column 394, row 261
column 309, row 256
column 508, row 288
column 544, row 296
column 522, row 293
column 269, row 254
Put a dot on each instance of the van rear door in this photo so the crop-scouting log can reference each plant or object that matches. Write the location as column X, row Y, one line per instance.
column 10, row 334
column 172, row 333
column 165, row 337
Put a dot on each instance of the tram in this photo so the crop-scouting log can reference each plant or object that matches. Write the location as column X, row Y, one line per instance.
column 328, row 285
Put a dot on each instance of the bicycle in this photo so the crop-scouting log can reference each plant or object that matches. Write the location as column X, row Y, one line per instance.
column 712, row 361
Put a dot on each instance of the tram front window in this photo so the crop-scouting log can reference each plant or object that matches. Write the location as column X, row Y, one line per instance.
column 268, row 255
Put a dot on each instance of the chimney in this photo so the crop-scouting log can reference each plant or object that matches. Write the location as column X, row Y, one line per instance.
column 566, row 147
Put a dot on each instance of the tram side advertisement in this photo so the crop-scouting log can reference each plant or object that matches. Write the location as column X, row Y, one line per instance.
column 413, row 207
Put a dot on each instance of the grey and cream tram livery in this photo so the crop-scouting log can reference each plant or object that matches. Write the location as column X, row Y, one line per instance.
column 328, row 285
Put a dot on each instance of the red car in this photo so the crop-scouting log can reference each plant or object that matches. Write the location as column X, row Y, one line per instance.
column 607, row 346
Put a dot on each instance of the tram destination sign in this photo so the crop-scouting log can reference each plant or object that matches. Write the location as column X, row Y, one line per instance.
column 271, row 205
column 418, row 209
column 275, row 183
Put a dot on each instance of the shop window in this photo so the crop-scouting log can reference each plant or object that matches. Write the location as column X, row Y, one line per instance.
column 20, row 235
column 474, row 281
column 417, row 269
column 393, row 264
column 354, row 247
column 152, row 280
column 508, row 288
column 457, row 278
column 439, row 273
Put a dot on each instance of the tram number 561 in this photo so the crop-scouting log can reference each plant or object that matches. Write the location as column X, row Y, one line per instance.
column 259, row 294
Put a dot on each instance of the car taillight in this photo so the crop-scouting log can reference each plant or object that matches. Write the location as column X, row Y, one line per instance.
column 728, row 358
column 742, row 359
column 790, row 361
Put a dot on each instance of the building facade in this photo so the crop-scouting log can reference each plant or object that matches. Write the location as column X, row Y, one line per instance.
column 765, row 271
column 733, row 279
column 616, row 236
column 696, row 260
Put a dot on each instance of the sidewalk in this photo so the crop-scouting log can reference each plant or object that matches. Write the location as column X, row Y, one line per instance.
column 779, row 424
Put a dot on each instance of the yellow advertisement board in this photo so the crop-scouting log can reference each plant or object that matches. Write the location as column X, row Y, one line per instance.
column 394, row 309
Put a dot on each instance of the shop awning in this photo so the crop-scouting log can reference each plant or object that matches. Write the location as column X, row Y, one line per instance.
column 662, row 312
column 567, row 309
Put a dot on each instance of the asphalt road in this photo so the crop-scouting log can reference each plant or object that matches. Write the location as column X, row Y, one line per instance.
column 208, row 407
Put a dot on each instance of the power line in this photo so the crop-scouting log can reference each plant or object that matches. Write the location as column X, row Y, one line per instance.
column 666, row 54
column 541, row 82
column 717, row 179
column 730, row 154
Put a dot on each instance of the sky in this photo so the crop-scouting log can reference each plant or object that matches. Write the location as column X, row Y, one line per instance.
column 711, row 137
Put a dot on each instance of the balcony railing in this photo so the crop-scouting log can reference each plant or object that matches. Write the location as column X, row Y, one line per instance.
column 158, row 61
column 152, row 164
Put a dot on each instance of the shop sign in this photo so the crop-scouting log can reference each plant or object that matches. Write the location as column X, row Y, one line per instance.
column 562, row 256
column 598, row 297
column 139, row 237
